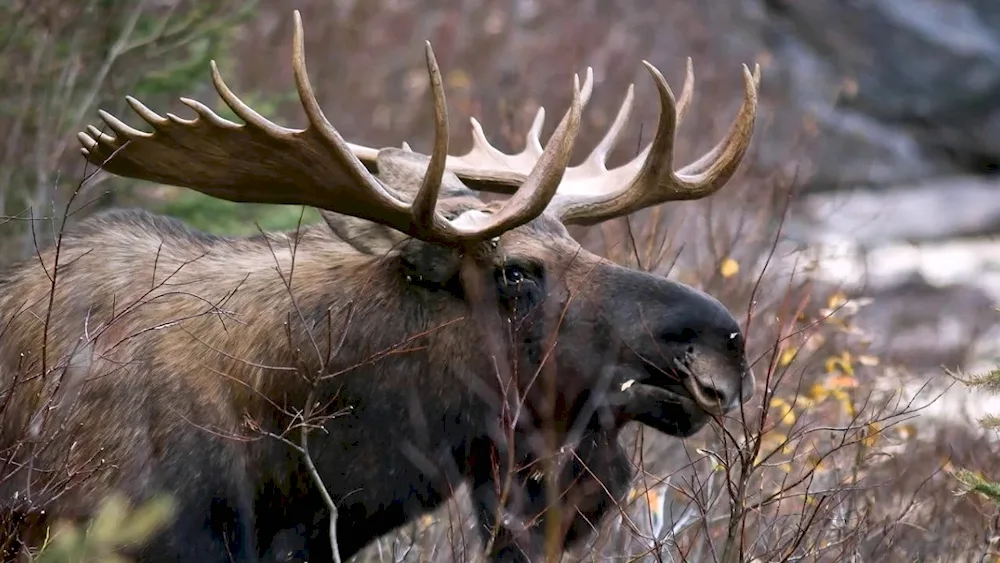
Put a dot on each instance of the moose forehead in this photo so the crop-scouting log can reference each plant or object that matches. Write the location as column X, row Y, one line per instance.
column 545, row 234
column 404, row 171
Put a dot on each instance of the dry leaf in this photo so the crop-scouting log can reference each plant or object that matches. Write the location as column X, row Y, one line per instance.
column 729, row 268
column 868, row 360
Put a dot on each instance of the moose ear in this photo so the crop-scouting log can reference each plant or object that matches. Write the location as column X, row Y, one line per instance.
column 403, row 171
column 365, row 236
column 429, row 264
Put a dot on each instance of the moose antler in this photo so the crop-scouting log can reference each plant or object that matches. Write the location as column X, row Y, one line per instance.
column 589, row 192
column 266, row 163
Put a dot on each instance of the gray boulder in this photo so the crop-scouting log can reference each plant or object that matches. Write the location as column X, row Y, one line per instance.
column 918, row 83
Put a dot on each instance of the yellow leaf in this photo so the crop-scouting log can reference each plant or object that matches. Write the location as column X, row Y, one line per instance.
column 844, row 399
column 729, row 268
column 842, row 382
column 836, row 300
column 906, row 431
column 871, row 434
column 818, row 393
column 633, row 494
column 816, row 462
column 770, row 443
column 458, row 79
column 842, row 363
column 783, row 411
column 947, row 466
column 804, row 402
column 787, row 355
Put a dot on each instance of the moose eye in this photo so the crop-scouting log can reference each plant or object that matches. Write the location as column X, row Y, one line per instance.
column 518, row 287
column 513, row 274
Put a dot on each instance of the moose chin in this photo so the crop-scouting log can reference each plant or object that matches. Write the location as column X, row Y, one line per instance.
column 417, row 340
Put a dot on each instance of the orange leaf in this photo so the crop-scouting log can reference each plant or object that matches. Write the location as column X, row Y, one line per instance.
column 842, row 382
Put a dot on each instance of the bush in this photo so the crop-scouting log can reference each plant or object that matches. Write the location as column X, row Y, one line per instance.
column 61, row 61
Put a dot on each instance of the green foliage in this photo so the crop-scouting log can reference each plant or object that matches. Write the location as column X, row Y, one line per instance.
column 206, row 39
column 116, row 526
column 974, row 482
column 222, row 217
column 988, row 382
column 971, row 481
column 63, row 60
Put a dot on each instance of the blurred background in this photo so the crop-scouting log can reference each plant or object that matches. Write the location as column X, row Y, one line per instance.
column 858, row 234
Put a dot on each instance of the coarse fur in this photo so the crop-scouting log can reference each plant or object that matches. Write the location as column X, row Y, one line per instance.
column 172, row 358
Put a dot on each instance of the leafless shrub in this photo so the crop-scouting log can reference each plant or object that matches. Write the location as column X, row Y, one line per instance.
column 61, row 61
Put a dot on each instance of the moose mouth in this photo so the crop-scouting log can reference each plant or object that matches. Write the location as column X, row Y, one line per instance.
column 661, row 401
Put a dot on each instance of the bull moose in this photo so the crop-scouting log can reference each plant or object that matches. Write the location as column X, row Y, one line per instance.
column 433, row 335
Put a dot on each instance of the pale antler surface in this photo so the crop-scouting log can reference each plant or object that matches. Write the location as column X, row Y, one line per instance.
column 590, row 192
column 262, row 162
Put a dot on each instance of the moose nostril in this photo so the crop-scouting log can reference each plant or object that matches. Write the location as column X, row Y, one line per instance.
column 713, row 394
column 709, row 398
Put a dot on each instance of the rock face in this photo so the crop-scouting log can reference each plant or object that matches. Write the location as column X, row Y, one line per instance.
column 905, row 96
column 932, row 210
column 901, row 89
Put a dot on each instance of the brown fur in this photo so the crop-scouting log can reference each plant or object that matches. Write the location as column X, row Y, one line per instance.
column 168, row 352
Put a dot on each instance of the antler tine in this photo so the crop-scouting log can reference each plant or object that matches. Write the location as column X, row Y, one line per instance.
column 596, row 162
column 532, row 140
column 426, row 199
column 687, row 92
column 494, row 170
column 259, row 161
column 537, row 191
column 591, row 193
column 680, row 110
column 339, row 148
column 590, row 201
column 706, row 160
column 484, row 156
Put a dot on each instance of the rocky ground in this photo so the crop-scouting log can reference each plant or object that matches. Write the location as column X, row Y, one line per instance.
column 927, row 256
